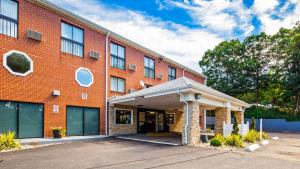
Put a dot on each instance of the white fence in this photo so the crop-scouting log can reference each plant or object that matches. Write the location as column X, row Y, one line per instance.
column 227, row 129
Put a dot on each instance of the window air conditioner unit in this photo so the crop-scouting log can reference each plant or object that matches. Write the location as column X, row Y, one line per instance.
column 34, row 35
column 131, row 90
column 159, row 76
column 132, row 67
column 94, row 55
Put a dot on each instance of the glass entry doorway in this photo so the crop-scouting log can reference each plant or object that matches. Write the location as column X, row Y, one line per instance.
column 151, row 121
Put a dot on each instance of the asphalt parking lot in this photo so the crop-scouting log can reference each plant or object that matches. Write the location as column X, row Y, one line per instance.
column 116, row 153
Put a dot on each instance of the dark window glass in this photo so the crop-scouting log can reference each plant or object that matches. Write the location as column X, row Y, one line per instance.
column 18, row 63
column 117, row 56
column 9, row 18
column 123, row 116
column 117, row 84
column 149, row 67
column 172, row 73
column 71, row 40
column 170, row 118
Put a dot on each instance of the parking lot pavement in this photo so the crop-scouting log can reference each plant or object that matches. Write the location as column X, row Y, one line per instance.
column 287, row 147
column 115, row 153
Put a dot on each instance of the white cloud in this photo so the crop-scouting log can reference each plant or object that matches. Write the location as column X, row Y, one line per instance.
column 175, row 41
column 217, row 19
column 219, row 16
column 264, row 6
column 265, row 9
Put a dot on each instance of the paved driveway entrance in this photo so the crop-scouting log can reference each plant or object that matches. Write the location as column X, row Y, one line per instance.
column 124, row 154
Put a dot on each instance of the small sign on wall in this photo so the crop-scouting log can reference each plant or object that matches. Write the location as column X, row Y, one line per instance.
column 55, row 108
column 84, row 96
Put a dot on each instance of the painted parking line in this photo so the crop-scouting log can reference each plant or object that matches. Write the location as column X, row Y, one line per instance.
column 148, row 141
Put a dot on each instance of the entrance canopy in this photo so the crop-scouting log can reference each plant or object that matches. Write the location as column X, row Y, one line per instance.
column 173, row 94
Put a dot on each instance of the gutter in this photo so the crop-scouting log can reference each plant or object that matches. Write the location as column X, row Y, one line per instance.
column 187, row 116
column 106, row 81
column 76, row 18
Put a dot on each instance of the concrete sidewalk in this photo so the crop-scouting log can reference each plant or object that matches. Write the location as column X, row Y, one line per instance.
column 30, row 141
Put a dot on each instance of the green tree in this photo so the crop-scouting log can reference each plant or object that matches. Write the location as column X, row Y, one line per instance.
column 235, row 127
column 253, row 124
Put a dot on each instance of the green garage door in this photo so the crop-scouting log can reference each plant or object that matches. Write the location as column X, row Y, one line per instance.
column 74, row 121
column 8, row 117
column 91, row 121
column 30, row 120
column 82, row 121
column 25, row 119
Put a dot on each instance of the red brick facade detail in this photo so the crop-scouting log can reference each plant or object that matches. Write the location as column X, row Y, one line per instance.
column 54, row 70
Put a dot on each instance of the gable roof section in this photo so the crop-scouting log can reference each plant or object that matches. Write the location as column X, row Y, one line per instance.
column 174, row 86
column 72, row 16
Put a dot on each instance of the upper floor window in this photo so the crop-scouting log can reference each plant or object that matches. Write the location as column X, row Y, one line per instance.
column 71, row 39
column 172, row 73
column 117, row 56
column 84, row 77
column 149, row 67
column 117, row 84
column 9, row 18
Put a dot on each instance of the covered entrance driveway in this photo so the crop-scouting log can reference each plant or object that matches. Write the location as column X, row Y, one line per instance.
column 183, row 98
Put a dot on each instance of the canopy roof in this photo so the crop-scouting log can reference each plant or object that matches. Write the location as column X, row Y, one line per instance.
column 168, row 93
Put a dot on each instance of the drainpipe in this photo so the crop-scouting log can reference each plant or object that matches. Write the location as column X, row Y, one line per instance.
column 183, row 72
column 106, row 80
column 187, row 115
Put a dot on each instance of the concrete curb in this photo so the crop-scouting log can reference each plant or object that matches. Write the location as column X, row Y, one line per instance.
column 36, row 141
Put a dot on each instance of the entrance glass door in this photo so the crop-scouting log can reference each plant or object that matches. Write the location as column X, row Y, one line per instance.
column 150, row 121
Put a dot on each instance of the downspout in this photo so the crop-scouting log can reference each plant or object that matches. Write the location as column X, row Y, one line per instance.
column 106, row 81
column 183, row 72
column 187, row 115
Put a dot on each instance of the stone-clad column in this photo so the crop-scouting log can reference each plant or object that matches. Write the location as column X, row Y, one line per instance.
column 221, row 115
column 239, row 115
column 192, row 130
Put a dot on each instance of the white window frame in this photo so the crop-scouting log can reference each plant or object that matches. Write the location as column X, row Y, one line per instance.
column 131, row 112
column 20, row 53
column 76, row 78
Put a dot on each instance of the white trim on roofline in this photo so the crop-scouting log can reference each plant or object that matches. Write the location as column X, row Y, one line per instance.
column 94, row 26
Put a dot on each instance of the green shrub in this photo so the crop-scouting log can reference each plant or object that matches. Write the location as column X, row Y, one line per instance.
column 215, row 142
column 7, row 141
column 253, row 124
column 265, row 136
column 235, row 140
column 235, row 127
column 252, row 136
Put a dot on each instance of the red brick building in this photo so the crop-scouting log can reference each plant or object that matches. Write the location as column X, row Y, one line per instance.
column 54, row 70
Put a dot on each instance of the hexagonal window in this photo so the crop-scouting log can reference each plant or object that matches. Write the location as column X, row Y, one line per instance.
column 17, row 63
column 84, row 77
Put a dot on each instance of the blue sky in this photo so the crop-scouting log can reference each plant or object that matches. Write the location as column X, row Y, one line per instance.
column 184, row 29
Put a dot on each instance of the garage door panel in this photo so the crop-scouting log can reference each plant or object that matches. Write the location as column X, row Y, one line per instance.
column 91, row 121
column 8, row 117
column 30, row 120
column 74, row 121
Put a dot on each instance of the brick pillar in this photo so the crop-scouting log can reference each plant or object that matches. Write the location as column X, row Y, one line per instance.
column 221, row 115
column 239, row 115
column 192, row 130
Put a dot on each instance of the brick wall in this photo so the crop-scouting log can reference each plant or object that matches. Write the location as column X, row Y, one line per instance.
column 132, row 78
column 54, row 70
column 116, row 129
